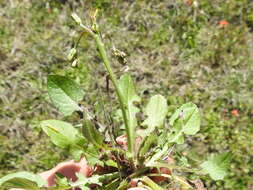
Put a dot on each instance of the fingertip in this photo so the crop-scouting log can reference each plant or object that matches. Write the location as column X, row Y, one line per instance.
column 48, row 176
column 121, row 140
column 86, row 170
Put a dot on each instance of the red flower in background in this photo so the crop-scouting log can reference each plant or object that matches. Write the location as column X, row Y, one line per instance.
column 235, row 112
column 223, row 23
column 189, row 2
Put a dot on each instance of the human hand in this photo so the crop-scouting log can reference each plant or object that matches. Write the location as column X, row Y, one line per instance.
column 70, row 168
column 67, row 169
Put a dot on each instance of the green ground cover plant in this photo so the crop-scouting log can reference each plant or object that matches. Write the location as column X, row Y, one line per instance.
column 172, row 49
column 148, row 147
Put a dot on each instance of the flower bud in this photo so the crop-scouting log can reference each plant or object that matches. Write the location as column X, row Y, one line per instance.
column 76, row 18
column 74, row 63
column 72, row 54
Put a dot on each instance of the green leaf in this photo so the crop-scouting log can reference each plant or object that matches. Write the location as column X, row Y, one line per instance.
column 185, row 120
column 151, row 183
column 160, row 153
column 190, row 116
column 111, row 163
column 112, row 185
column 62, row 134
column 123, row 185
column 183, row 161
column 147, row 143
column 156, row 111
column 62, row 183
column 83, row 182
column 64, row 93
column 92, row 161
column 24, row 180
column 217, row 166
column 106, row 178
column 92, row 134
column 163, row 138
column 76, row 152
column 176, row 136
column 92, row 155
column 127, row 89
column 184, row 185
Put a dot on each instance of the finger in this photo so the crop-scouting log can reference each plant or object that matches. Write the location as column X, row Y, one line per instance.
column 122, row 140
column 85, row 169
column 49, row 177
column 67, row 169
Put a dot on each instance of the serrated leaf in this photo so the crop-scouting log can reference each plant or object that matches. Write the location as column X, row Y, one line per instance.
column 156, row 111
column 24, row 180
column 64, row 93
column 128, row 91
column 62, row 134
column 185, row 120
column 217, row 166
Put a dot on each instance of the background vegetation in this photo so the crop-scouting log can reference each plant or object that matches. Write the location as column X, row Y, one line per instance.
column 177, row 48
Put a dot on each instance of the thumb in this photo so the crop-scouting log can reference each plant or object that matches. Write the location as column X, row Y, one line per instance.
column 67, row 169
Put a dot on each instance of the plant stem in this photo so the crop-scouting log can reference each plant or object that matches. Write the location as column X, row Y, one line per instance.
column 123, row 185
column 123, row 107
column 138, row 173
column 151, row 183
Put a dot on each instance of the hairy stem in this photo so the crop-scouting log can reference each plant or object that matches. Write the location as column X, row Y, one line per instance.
column 123, row 107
